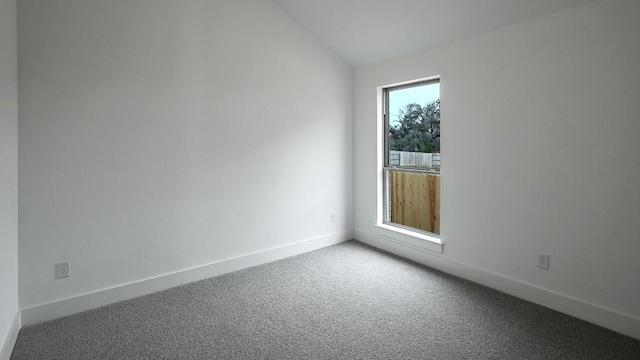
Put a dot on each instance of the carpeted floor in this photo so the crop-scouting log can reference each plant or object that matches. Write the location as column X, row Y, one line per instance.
column 347, row 301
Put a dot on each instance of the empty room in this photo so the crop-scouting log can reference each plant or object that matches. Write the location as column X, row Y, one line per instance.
column 319, row 179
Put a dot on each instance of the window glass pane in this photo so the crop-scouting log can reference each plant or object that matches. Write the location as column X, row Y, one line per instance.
column 414, row 200
column 414, row 126
column 412, row 171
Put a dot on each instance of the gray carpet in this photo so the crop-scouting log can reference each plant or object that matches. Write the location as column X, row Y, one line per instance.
column 347, row 301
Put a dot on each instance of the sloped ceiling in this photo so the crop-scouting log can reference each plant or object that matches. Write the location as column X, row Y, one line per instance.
column 368, row 31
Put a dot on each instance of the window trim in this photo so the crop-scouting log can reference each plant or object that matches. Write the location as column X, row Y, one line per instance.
column 406, row 236
column 409, row 238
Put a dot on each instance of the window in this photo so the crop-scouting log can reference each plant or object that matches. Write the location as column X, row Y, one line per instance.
column 411, row 168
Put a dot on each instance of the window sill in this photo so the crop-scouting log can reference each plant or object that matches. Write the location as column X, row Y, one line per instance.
column 408, row 238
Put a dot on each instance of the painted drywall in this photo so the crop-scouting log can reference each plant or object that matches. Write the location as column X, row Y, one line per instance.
column 8, row 175
column 540, row 152
column 161, row 136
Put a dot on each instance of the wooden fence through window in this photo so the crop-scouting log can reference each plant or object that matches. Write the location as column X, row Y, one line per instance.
column 415, row 200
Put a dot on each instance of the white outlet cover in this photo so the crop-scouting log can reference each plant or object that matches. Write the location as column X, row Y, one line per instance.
column 62, row 270
column 543, row 261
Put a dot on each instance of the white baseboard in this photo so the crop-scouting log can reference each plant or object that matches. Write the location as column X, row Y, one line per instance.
column 607, row 318
column 7, row 348
column 76, row 304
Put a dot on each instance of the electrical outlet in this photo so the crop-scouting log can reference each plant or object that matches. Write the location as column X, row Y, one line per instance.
column 333, row 217
column 62, row 270
column 543, row 261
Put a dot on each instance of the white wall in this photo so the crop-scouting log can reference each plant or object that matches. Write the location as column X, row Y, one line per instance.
column 157, row 136
column 552, row 105
column 9, row 318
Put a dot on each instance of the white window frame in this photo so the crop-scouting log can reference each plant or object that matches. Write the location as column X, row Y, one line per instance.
column 401, row 235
